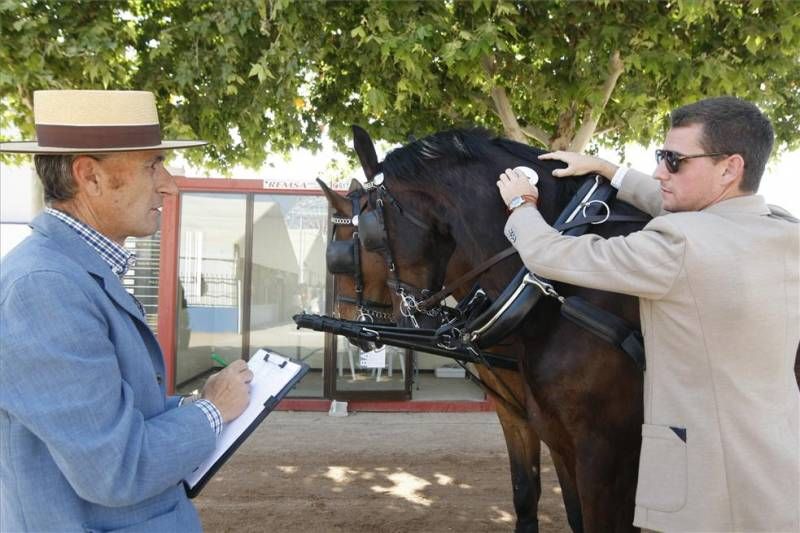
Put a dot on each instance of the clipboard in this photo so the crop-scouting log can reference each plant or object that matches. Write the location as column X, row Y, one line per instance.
column 273, row 377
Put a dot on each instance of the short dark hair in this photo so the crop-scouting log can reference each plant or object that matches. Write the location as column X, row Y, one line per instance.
column 731, row 126
column 55, row 173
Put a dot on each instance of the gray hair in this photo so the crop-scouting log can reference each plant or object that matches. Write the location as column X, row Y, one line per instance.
column 55, row 173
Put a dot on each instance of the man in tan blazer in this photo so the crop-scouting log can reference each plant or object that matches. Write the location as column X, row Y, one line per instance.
column 717, row 272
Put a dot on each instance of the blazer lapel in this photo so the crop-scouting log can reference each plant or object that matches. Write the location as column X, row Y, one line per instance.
column 70, row 244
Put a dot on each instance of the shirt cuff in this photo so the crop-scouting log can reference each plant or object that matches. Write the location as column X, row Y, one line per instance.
column 619, row 175
column 212, row 414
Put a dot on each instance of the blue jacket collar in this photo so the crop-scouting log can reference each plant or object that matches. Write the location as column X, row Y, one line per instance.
column 71, row 245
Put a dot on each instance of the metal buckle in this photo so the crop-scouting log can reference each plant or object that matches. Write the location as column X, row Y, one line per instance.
column 364, row 315
column 532, row 279
column 585, row 200
column 407, row 307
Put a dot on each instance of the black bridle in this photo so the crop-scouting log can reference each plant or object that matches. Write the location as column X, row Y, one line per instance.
column 370, row 230
column 344, row 257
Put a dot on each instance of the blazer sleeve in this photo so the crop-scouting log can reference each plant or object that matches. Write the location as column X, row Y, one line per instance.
column 645, row 263
column 173, row 402
column 643, row 192
column 61, row 380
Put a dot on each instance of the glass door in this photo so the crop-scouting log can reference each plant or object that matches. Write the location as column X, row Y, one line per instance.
column 288, row 276
column 210, row 285
column 247, row 263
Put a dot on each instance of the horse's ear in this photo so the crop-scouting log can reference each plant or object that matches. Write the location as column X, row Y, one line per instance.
column 362, row 144
column 355, row 185
column 337, row 202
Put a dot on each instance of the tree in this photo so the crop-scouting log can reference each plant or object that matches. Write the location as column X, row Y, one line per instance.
column 256, row 75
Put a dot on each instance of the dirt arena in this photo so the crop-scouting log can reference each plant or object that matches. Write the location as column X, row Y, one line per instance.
column 372, row 472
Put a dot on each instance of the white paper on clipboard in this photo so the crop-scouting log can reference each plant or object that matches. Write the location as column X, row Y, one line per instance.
column 273, row 375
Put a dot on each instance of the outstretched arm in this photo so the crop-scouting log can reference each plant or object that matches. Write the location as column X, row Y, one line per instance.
column 636, row 188
column 580, row 164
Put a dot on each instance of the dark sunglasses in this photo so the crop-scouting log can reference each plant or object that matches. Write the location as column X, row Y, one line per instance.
column 673, row 159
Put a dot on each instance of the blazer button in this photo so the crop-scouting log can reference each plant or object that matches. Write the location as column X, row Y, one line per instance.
column 158, row 379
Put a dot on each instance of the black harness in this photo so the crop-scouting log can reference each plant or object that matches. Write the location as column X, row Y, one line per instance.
column 476, row 323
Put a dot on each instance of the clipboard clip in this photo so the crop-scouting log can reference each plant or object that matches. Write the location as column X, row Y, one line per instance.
column 276, row 360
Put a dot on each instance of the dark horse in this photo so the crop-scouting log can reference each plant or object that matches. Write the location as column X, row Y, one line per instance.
column 579, row 395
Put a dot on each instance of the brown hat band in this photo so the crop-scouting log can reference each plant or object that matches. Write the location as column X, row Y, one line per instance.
column 98, row 137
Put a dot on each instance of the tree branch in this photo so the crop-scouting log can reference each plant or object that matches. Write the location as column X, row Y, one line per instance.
column 502, row 104
column 565, row 129
column 592, row 116
column 538, row 134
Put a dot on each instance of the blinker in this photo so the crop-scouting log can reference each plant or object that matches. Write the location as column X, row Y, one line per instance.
column 373, row 231
column 340, row 257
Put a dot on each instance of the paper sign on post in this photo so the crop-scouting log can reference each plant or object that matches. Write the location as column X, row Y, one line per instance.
column 373, row 359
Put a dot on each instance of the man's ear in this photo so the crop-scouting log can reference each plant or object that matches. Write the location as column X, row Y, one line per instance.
column 733, row 172
column 84, row 172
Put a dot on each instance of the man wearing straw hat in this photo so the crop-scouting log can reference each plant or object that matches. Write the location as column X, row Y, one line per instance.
column 90, row 441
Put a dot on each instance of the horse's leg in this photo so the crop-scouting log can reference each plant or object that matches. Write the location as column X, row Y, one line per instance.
column 522, row 443
column 607, row 483
column 569, row 493
column 564, row 465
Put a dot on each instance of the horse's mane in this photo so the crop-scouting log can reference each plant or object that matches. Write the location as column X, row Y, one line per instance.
column 415, row 162
column 435, row 157
column 449, row 159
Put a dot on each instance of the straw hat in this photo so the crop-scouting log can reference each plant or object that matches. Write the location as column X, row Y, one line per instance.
column 75, row 122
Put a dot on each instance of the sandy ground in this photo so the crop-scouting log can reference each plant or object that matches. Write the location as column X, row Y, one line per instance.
column 372, row 472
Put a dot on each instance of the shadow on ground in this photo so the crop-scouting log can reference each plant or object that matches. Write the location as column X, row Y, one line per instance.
column 398, row 472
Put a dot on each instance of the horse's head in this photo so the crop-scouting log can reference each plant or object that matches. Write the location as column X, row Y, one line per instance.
column 426, row 214
column 413, row 240
column 362, row 292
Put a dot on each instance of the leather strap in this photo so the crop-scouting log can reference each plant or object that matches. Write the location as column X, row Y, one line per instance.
column 448, row 290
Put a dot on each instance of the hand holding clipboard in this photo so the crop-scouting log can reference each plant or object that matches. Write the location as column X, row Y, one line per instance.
column 273, row 377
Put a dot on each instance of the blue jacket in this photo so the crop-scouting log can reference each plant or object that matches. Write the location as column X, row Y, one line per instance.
column 89, row 441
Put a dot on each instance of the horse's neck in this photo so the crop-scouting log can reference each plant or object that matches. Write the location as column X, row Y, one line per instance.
column 479, row 232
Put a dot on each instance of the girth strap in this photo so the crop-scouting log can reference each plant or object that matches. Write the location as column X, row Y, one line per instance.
column 606, row 326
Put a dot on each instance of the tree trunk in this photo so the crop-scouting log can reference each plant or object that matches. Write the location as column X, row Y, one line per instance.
column 591, row 116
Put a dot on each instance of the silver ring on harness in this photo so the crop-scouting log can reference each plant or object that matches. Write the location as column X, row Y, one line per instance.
column 363, row 315
column 407, row 307
column 601, row 202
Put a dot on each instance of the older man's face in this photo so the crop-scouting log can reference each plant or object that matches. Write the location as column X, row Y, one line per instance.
column 134, row 186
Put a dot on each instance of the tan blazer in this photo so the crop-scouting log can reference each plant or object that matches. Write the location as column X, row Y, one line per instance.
column 720, row 309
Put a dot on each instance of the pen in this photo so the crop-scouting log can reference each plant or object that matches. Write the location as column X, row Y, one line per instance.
column 219, row 360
